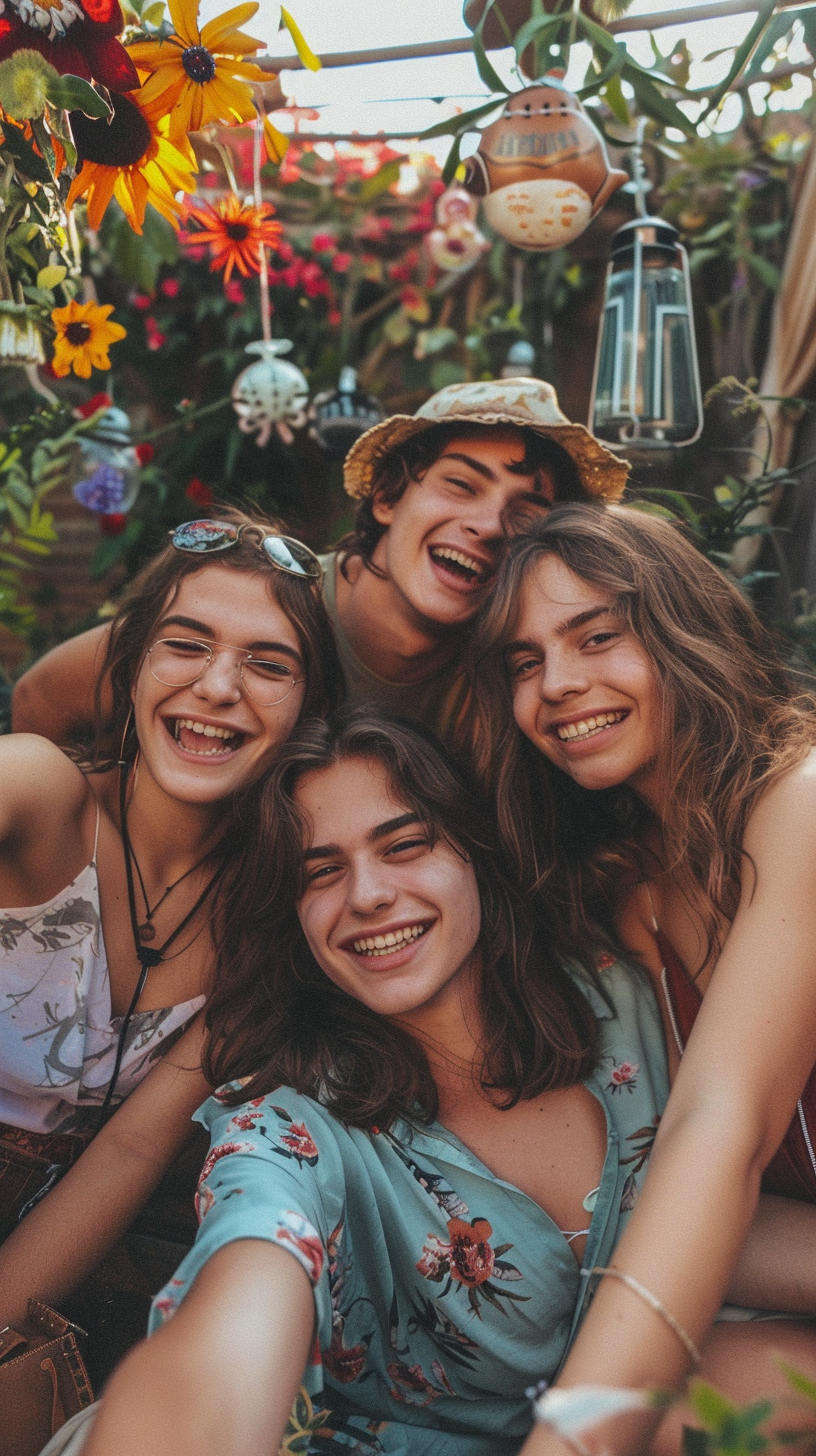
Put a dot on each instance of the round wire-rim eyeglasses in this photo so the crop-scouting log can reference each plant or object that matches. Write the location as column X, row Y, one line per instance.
column 181, row 661
column 285, row 553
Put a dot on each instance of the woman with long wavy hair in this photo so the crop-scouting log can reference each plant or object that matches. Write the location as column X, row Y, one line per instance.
column 661, row 796
column 436, row 1125
column 121, row 878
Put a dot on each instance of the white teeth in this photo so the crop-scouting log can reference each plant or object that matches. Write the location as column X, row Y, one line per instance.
column 374, row 945
column 447, row 553
column 209, row 730
column 587, row 726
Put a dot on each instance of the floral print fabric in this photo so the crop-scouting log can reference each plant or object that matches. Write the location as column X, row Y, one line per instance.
column 57, row 1037
column 442, row 1293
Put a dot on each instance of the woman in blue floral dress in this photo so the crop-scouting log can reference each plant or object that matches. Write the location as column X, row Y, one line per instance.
column 444, row 1128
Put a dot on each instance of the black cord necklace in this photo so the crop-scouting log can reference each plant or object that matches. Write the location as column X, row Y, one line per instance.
column 147, row 930
column 148, row 956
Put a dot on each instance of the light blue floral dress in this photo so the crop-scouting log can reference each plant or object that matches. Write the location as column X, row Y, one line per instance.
column 441, row 1291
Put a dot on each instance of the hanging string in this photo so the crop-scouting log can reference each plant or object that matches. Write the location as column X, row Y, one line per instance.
column 257, row 162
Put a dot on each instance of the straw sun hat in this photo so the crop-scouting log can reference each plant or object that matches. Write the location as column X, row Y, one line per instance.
column 526, row 403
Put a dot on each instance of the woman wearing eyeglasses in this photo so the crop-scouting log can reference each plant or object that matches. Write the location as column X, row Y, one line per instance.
column 119, row 874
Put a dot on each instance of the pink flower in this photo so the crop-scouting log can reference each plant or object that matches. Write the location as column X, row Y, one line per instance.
column 623, row 1075
column 221, row 1151
column 334, row 318
column 324, row 243
column 296, row 1232
column 299, row 1142
column 204, row 1201
column 141, row 300
column 171, row 287
column 285, row 252
column 155, row 337
column 244, row 1120
column 341, row 262
column 435, row 1260
column 290, row 276
column 234, row 291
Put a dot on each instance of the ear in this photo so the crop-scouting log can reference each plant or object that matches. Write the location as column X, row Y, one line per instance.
column 382, row 510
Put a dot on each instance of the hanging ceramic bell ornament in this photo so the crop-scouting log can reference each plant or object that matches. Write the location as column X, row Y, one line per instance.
column 106, row 470
column 520, row 361
column 454, row 206
column 270, row 392
column 340, row 416
column 542, row 169
column 456, row 247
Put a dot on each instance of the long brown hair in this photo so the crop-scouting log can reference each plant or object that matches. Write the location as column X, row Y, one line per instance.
column 733, row 721
column 283, row 1022
column 157, row 584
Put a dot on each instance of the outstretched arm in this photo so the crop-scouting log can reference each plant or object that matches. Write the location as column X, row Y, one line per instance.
column 747, row 1060
column 220, row 1377
column 66, row 1235
column 56, row 696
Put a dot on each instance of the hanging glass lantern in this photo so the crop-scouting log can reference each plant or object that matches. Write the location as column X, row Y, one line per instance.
column 106, row 474
column 646, row 387
column 340, row 416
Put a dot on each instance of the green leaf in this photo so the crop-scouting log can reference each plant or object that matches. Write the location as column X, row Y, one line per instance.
column 456, row 125
column 766, row 272
column 138, row 259
column 381, row 181
column 483, row 66
column 801, row 1383
column 27, row 161
column 717, row 231
column 653, row 102
column 111, row 549
column 51, row 277
column 452, row 162
column 539, row 28
column 444, row 372
column 72, row 93
column 766, row 9
column 153, row 14
column 699, row 256
column 709, row 1405
column 696, row 1442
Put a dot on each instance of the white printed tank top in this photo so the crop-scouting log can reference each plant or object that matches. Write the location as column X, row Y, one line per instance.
column 57, row 1036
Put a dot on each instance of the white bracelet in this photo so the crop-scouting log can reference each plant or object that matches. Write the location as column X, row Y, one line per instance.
column 654, row 1303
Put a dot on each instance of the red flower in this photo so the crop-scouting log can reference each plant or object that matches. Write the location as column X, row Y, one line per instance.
column 344, row 1364
column 113, row 525
column 199, row 493
column 334, row 318
column 472, row 1258
column 77, row 37
column 244, row 1120
column 623, row 1075
column 145, row 453
column 234, row 292
column 96, row 402
column 435, row 1260
column 155, row 337
column 170, row 287
column 341, row 262
column 324, row 243
column 221, row 1151
column 142, row 301
column 285, row 252
column 299, row 1142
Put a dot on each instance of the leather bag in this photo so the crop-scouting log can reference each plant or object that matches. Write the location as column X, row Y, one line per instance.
column 43, row 1379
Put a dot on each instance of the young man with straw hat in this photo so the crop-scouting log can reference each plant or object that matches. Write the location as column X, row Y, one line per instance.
column 437, row 491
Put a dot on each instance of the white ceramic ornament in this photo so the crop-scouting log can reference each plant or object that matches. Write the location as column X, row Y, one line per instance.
column 270, row 392
column 457, row 246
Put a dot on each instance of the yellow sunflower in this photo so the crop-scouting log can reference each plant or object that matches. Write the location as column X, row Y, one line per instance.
column 200, row 75
column 129, row 158
column 84, row 335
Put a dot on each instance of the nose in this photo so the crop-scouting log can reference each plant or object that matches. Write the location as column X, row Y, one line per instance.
column 220, row 682
column 369, row 888
column 562, row 675
column 485, row 518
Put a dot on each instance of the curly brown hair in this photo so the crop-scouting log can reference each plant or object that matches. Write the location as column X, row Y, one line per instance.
column 733, row 720
column 280, row 1019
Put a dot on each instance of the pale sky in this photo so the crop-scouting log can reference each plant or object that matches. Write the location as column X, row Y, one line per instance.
column 407, row 96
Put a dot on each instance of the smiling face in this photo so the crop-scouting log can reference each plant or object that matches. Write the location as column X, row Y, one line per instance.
column 201, row 742
column 391, row 918
column 585, row 691
column 445, row 531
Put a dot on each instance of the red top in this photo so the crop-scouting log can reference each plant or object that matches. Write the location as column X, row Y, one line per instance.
column 792, row 1171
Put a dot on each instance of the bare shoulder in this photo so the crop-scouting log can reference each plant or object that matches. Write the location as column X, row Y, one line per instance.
column 788, row 806
column 634, row 928
column 37, row 777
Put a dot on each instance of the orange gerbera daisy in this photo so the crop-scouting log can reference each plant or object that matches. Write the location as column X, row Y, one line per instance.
column 233, row 232
column 84, row 336
column 128, row 157
column 200, row 75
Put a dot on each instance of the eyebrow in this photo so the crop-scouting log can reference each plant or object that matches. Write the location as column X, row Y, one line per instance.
column 488, row 474
column 206, row 631
column 572, row 624
column 381, row 831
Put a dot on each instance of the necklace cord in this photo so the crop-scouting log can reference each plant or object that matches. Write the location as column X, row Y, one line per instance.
column 148, row 956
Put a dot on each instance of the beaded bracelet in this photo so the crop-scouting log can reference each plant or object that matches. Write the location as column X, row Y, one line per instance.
column 654, row 1303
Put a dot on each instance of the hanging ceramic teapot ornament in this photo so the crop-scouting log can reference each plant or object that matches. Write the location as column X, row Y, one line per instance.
column 542, row 169
column 270, row 392
column 340, row 416
column 106, row 469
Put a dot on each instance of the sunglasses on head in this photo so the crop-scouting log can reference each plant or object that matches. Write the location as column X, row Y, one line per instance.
column 282, row 552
